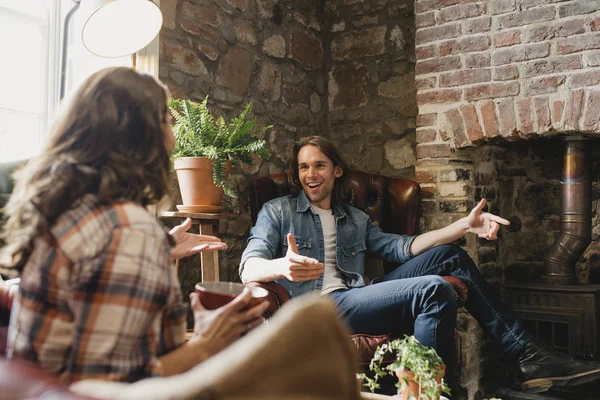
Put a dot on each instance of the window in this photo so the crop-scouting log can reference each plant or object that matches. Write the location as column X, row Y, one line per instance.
column 24, row 78
column 29, row 76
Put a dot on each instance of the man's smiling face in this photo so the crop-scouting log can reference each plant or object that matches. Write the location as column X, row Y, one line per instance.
column 317, row 175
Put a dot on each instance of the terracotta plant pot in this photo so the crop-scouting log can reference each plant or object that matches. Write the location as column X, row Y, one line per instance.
column 198, row 191
column 413, row 386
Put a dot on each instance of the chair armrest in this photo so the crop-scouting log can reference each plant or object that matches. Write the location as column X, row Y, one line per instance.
column 276, row 298
column 367, row 344
column 27, row 380
column 461, row 290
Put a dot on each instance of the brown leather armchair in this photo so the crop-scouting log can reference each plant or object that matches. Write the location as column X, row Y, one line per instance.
column 393, row 204
column 24, row 379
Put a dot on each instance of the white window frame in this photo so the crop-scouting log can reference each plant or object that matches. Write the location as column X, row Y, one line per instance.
column 50, row 68
column 145, row 60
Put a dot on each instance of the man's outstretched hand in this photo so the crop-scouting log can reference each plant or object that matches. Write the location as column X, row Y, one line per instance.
column 484, row 224
column 187, row 244
column 298, row 268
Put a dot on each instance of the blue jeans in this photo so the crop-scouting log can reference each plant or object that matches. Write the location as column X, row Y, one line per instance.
column 414, row 299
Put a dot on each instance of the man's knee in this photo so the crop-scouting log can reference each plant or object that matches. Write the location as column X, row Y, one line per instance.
column 455, row 256
column 452, row 250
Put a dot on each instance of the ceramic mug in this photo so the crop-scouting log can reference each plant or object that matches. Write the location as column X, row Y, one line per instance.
column 213, row 295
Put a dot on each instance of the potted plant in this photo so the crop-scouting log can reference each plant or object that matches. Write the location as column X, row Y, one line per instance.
column 205, row 150
column 419, row 369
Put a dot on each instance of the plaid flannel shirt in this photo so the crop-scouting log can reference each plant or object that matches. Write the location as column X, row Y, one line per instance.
column 99, row 297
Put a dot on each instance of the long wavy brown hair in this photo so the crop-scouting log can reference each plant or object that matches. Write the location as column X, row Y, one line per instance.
column 108, row 140
column 343, row 185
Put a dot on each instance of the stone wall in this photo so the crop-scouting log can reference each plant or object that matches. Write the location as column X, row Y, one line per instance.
column 265, row 52
column 370, row 74
column 345, row 70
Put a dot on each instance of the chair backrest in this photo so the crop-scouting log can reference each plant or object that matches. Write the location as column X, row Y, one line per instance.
column 394, row 204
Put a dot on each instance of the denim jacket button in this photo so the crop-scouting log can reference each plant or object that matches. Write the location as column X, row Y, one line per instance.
column 353, row 253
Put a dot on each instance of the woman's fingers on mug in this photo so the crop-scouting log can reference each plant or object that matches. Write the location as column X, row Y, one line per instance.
column 249, row 324
column 254, row 323
column 240, row 301
column 195, row 302
column 257, row 310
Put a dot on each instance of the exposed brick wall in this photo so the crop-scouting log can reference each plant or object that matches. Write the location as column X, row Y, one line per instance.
column 505, row 68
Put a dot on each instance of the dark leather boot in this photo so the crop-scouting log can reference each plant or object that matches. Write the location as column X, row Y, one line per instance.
column 539, row 368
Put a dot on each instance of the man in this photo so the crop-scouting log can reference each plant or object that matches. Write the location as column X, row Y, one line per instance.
column 313, row 241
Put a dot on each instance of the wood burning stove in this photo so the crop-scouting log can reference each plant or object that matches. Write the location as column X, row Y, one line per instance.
column 563, row 316
column 557, row 310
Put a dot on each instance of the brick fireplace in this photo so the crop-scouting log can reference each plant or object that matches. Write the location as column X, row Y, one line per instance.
column 491, row 77
column 504, row 69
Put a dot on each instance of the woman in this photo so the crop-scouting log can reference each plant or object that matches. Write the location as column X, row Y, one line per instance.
column 98, row 295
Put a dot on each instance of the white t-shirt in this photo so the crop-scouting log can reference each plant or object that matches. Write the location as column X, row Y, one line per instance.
column 333, row 279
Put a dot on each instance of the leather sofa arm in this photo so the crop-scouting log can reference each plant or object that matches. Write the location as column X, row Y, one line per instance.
column 461, row 290
column 8, row 292
column 367, row 344
column 26, row 380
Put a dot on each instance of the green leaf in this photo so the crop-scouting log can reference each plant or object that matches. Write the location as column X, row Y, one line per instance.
column 412, row 356
column 198, row 134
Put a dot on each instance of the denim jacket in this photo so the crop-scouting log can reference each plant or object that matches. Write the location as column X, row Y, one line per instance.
column 356, row 238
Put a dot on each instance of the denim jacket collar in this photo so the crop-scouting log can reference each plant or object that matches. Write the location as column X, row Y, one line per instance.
column 304, row 204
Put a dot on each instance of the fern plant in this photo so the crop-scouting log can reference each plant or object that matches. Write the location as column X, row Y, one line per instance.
column 199, row 134
column 412, row 356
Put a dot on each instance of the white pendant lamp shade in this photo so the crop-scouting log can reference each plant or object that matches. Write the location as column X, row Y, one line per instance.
column 115, row 28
